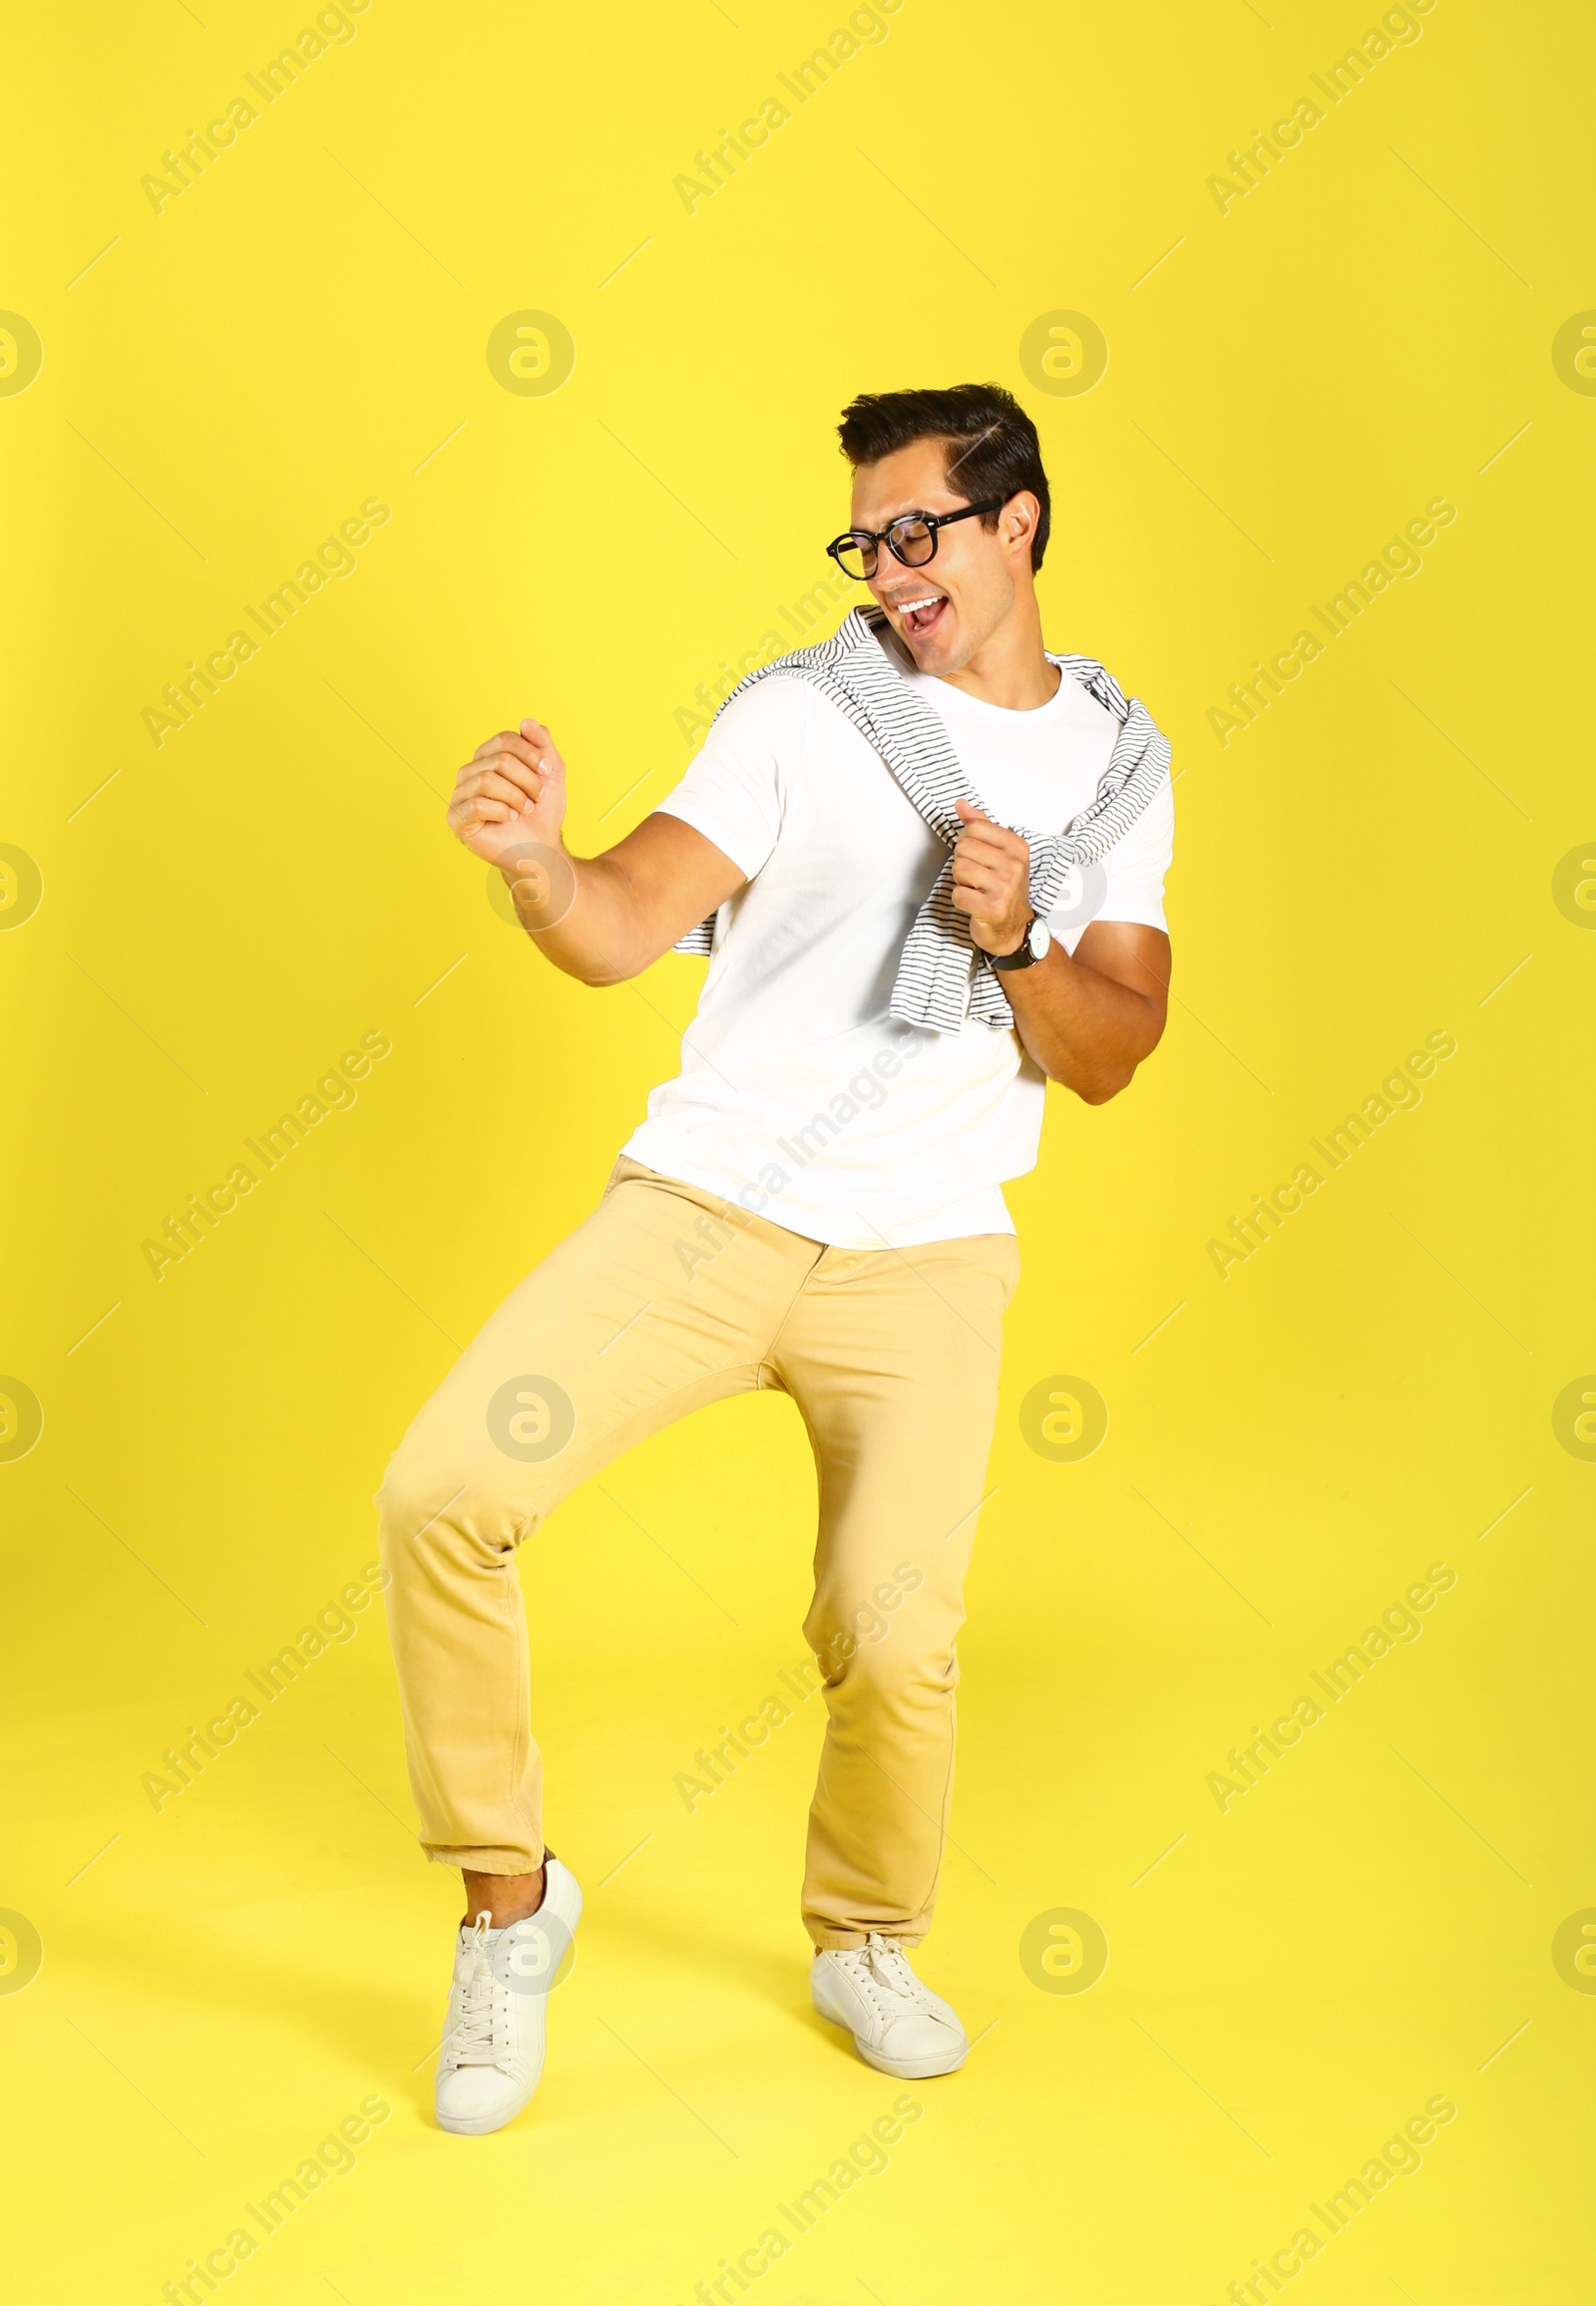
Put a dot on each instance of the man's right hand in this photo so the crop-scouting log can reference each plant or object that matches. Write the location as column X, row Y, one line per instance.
column 599, row 919
column 510, row 791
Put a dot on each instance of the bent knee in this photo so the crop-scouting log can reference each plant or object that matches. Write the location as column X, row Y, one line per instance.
column 431, row 1506
column 891, row 1672
column 904, row 1629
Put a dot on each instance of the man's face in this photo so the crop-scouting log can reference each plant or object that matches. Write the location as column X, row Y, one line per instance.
column 947, row 609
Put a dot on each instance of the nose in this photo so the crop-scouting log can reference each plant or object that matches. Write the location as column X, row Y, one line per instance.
column 893, row 577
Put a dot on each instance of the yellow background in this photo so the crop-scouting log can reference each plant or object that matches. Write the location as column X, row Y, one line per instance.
column 1289, row 383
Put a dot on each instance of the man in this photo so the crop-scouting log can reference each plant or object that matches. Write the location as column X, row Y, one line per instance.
column 812, row 1205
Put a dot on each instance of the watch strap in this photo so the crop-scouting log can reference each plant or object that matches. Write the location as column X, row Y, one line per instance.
column 1023, row 955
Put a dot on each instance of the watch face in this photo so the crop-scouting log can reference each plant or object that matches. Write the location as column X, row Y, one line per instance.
column 1040, row 938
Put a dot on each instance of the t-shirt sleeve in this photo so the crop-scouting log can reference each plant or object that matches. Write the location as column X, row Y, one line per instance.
column 1136, row 866
column 735, row 790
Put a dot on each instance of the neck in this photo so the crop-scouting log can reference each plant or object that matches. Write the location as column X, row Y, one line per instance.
column 1010, row 666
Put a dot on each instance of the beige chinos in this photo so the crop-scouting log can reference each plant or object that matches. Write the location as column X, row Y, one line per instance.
column 667, row 1297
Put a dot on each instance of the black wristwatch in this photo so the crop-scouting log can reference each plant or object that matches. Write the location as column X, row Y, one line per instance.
column 1033, row 947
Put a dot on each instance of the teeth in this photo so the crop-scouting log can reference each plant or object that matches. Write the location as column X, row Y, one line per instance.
column 908, row 608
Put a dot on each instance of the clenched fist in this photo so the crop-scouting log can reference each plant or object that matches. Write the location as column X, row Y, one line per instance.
column 992, row 881
column 511, row 790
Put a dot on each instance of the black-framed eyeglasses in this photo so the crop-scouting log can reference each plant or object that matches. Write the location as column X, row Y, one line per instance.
column 910, row 539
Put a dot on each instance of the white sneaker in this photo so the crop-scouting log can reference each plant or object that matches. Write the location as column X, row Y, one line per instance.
column 493, row 2041
column 898, row 2025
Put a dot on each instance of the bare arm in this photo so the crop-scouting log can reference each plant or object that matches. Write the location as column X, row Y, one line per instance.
column 1089, row 1021
column 601, row 918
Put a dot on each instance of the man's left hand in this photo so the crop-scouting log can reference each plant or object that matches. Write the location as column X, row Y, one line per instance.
column 992, row 881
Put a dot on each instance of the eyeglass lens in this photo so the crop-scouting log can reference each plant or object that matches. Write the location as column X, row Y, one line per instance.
column 915, row 543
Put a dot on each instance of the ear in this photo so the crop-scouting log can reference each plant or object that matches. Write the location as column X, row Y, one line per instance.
column 1020, row 517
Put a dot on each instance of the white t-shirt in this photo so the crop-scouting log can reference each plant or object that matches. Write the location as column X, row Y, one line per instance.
column 799, row 1096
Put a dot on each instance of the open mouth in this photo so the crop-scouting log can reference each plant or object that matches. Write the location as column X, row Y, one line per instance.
column 924, row 612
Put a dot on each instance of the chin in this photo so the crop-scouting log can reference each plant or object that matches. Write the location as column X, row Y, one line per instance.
column 937, row 651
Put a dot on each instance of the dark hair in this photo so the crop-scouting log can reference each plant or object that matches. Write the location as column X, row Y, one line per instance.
column 992, row 443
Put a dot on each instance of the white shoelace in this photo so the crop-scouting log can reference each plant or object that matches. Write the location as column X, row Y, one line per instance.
column 473, row 2039
column 880, row 1969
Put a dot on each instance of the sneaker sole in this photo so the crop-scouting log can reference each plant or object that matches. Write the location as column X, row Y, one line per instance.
column 484, row 2125
column 901, row 2069
column 910, row 2069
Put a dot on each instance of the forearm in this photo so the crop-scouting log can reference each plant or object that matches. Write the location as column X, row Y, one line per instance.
column 1086, row 1020
column 1085, row 1029
column 604, row 919
column 583, row 914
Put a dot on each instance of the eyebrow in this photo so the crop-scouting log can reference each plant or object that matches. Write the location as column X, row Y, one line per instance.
column 910, row 512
